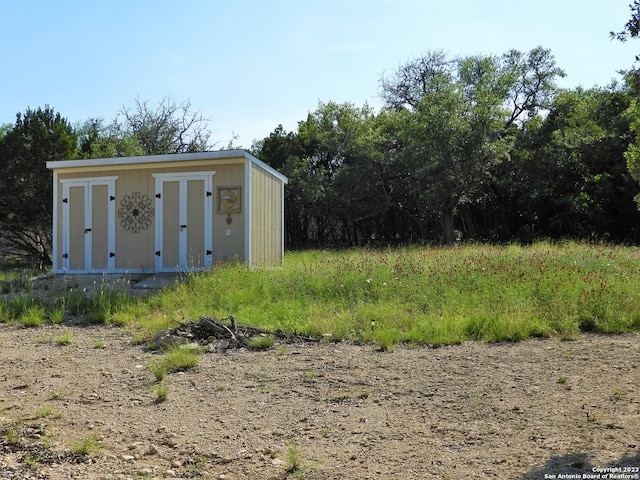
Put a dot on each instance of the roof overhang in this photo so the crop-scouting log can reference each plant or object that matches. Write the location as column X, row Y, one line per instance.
column 176, row 157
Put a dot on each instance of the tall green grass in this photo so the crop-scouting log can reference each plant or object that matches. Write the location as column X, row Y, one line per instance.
column 97, row 304
column 422, row 295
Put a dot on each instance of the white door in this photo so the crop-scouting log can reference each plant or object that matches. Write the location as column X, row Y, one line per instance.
column 184, row 206
column 88, row 233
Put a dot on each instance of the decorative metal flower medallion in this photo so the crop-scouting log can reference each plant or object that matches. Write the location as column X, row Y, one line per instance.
column 135, row 212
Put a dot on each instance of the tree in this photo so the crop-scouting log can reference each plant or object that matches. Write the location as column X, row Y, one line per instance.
column 632, row 27
column 281, row 151
column 632, row 30
column 95, row 140
column 567, row 176
column 458, row 125
column 4, row 129
column 169, row 128
column 26, row 184
column 632, row 154
column 336, row 193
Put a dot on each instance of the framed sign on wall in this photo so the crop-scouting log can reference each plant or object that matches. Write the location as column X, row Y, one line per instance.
column 229, row 200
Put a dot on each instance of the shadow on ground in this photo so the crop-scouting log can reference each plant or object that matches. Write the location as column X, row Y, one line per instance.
column 579, row 464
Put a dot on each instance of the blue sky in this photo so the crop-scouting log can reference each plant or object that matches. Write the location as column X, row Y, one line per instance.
column 250, row 65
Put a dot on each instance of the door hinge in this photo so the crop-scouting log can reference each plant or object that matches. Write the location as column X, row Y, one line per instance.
column 158, row 195
column 112, row 198
column 209, row 252
column 157, row 253
column 65, row 255
column 112, row 254
column 65, row 200
column 209, row 194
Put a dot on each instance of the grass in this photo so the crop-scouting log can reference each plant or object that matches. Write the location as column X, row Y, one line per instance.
column 177, row 359
column 261, row 342
column 417, row 295
column 293, row 458
column 422, row 295
column 174, row 359
column 15, row 280
column 162, row 392
column 158, row 369
column 64, row 339
column 45, row 412
column 32, row 317
column 97, row 304
column 32, row 461
column 88, row 445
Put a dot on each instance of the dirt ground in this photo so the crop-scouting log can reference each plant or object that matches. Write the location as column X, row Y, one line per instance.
column 527, row 410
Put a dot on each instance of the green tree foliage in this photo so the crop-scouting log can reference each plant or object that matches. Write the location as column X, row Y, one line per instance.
column 99, row 141
column 4, row 129
column 459, row 125
column 26, row 184
column 482, row 147
column 567, row 176
column 632, row 30
column 632, row 154
column 330, row 195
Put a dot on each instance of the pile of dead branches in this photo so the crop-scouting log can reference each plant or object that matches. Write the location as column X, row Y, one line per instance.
column 218, row 334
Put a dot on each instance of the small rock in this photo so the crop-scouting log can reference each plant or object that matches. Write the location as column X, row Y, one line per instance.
column 218, row 346
column 272, row 452
column 128, row 458
column 151, row 450
column 164, row 340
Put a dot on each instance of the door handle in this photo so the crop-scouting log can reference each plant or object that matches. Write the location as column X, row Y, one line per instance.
column 87, row 230
column 182, row 227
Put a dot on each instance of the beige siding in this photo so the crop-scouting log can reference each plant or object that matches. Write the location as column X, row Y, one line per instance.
column 135, row 251
column 228, row 247
column 266, row 219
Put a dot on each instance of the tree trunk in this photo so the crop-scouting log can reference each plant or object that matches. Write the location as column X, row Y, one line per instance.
column 447, row 229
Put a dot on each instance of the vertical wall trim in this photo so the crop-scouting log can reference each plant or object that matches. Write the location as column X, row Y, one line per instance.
column 157, row 246
column 248, row 220
column 54, row 230
column 282, row 223
column 111, row 224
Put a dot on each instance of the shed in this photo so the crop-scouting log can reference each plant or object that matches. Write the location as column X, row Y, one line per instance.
column 166, row 213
